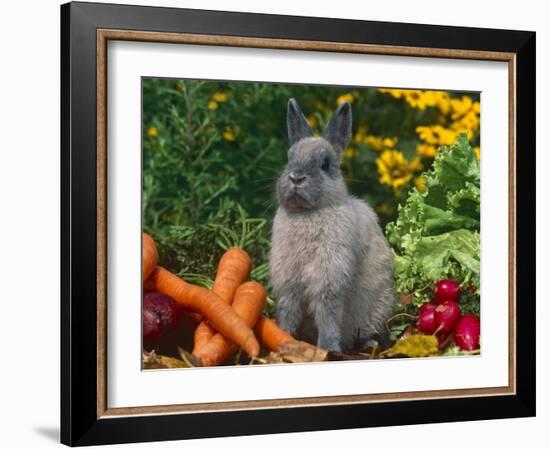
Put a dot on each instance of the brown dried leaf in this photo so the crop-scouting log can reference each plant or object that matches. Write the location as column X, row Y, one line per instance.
column 405, row 298
column 301, row 352
column 151, row 360
column 410, row 331
column 274, row 357
column 189, row 359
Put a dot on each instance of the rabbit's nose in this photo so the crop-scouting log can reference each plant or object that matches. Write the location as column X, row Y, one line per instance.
column 296, row 179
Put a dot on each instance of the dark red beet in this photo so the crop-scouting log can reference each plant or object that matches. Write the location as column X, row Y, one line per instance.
column 151, row 325
column 447, row 315
column 446, row 290
column 443, row 339
column 161, row 317
column 426, row 319
column 467, row 333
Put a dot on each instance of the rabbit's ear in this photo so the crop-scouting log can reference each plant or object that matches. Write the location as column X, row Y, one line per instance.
column 338, row 130
column 297, row 125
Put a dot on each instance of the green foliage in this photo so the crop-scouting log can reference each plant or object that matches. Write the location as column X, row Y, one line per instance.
column 436, row 233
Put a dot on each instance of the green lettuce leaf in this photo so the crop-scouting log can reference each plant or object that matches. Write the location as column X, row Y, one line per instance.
column 436, row 233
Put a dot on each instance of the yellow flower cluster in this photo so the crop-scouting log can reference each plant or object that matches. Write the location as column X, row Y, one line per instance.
column 421, row 99
column 465, row 115
column 153, row 132
column 395, row 170
column 460, row 115
column 436, row 135
column 375, row 142
column 379, row 143
column 217, row 97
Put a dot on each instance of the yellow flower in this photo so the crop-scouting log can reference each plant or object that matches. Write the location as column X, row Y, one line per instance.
column 390, row 142
column 416, row 99
column 343, row 98
column 467, row 124
column 312, row 120
column 444, row 105
column 360, row 134
column 395, row 93
column 426, row 150
column 415, row 164
column 436, row 135
column 153, row 132
column 395, row 170
column 439, row 99
column 421, row 99
column 420, row 184
column 460, row 106
column 350, row 153
column 478, row 152
column 379, row 143
column 376, row 143
column 212, row 105
column 228, row 134
column 434, row 97
column 220, row 97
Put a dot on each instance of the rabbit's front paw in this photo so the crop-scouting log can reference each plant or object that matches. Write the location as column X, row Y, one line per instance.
column 329, row 342
column 330, row 336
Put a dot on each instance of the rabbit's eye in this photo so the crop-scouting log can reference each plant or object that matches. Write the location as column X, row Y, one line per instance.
column 325, row 164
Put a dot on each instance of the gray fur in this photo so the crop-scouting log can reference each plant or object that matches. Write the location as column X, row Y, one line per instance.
column 296, row 123
column 331, row 266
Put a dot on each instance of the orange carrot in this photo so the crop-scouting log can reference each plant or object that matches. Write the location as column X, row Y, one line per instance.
column 248, row 303
column 233, row 269
column 150, row 256
column 269, row 334
column 208, row 304
column 203, row 334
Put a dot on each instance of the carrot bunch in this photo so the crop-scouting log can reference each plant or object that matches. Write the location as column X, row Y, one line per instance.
column 233, row 269
column 230, row 311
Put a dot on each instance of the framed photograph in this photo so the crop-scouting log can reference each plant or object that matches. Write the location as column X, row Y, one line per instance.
column 281, row 224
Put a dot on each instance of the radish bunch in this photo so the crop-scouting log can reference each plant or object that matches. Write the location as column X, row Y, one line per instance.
column 443, row 318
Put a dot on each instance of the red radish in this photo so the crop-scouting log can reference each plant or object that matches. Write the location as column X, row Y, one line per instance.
column 426, row 319
column 467, row 333
column 160, row 317
column 446, row 316
column 446, row 290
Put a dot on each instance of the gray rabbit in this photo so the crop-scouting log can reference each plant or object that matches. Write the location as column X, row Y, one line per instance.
column 331, row 266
